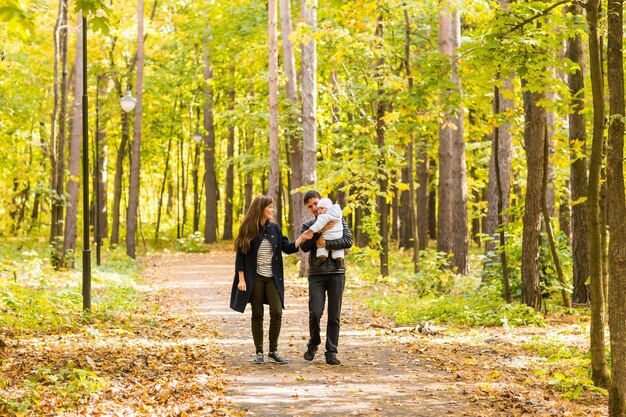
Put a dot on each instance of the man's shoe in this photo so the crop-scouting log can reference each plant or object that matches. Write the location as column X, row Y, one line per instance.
column 309, row 355
column 321, row 260
column 278, row 359
column 259, row 358
column 339, row 263
column 331, row 359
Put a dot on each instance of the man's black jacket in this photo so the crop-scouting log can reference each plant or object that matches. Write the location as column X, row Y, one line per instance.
column 329, row 266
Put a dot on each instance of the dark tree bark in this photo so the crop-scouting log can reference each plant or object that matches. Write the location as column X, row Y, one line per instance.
column 504, row 145
column 163, row 183
column 135, row 168
column 578, row 169
column 272, row 30
column 119, row 177
column 424, row 213
column 382, row 206
column 616, row 209
column 599, row 370
column 230, row 170
column 59, row 136
column 412, row 228
column 534, row 138
column 210, row 177
column 452, row 227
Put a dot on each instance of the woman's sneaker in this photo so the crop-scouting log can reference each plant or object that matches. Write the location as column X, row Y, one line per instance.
column 278, row 359
column 259, row 358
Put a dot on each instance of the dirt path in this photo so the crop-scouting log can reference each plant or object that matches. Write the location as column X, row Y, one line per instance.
column 377, row 377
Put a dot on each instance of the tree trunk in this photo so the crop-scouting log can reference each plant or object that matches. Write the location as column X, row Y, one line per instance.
column 599, row 371
column 210, row 177
column 534, row 138
column 412, row 227
column 616, row 210
column 272, row 31
column 162, row 191
column 133, row 195
column 548, row 224
column 294, row 135
column 248, row 182
column 230, row 170
column 500, row 200
column 452, row 233
column 432, row 204
column 71, row 216
column 422, row 197
column 58, row 166
column 309, row 94
column 383, row 182
column 504, row 155
column 119, row 177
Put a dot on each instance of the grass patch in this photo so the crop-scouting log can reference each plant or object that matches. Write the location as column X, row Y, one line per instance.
column 436, row 293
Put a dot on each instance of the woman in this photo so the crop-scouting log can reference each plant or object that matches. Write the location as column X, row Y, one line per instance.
column 259, row 272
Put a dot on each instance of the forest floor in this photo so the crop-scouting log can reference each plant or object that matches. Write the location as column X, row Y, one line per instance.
column 385, row 371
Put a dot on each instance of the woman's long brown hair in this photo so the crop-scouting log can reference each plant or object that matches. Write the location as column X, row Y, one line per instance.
column 252, row 223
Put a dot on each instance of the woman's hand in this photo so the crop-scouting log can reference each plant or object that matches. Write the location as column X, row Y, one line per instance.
column 320, row 243
column 242, row 282
column 308, row 234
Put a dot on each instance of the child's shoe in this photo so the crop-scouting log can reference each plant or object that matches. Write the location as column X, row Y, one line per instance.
column 321, row 260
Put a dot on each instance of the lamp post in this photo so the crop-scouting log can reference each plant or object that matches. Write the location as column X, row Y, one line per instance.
column 128, row 104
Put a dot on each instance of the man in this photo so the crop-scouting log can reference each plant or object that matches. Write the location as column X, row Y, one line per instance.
column 326, row 281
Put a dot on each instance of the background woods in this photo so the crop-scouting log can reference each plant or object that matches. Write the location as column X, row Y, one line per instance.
column 469, row 134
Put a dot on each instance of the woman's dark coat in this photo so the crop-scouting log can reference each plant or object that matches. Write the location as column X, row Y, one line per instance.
column 246, row 262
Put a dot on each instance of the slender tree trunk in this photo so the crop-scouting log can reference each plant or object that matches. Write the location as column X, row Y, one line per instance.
column 133, row 196
column 534, row 137
column 395, row 205
column 58, row 174
column 248, row 181
column 500, row 199
column 117, row 182
column 383, row 182
column 616, row 209
column 412, row 232
column 162, row 191
column 230, row 171
column 422, row 196
column 548, row 224
column 599, row 370
column 578, row 169
column 272, row 31
column 504, row 156
column 71, row 216
column 210, row 177
column 452, row 233
column 432, row 204
column 294, row 135
column 309, row 94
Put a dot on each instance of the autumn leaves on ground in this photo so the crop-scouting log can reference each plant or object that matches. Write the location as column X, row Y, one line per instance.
column 161, row 347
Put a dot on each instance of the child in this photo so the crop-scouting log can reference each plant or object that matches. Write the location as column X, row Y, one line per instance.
column 329, row 212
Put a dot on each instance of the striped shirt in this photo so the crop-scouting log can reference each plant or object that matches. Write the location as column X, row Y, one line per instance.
column 264, row 259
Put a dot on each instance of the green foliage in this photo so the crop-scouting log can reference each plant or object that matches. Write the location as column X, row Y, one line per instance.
column 194, row 243
column 566, row 367
column 437, row 294
column 35, row 297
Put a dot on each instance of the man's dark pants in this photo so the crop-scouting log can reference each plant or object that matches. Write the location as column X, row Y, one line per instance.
column 319, row 286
